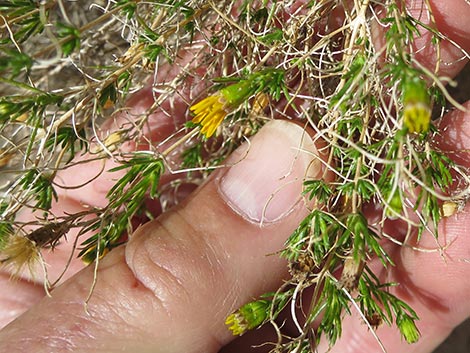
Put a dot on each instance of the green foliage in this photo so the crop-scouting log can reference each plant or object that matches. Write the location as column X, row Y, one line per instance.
column 318, row 189
column 126, row 198
column 375, row 299
column 320, row 234
column 70, row 36
column 332, row 304
column 352, row 79
column 13, row 107
column 40, row 187
column 13, row 63
column 24, row 14
column 109, row 231
column 152, row 48
column 402, row 28
column 108, row 93
column 271, row 38
column 69, row 140
column 438, row 169
column 364, row 188
column 268, row 80
column 369, row 108
column 128, row 7
column 141, row 179
column 6, row 229
column 364, row 239
column 192, row 157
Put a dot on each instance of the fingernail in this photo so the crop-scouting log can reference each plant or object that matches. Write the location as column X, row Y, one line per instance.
column 264, row 182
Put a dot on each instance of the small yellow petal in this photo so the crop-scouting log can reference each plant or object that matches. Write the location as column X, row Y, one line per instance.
column 198, row 118
column 207, row 103
column 417, row 117
column 236, row 324
column 212, row 124
column 209, row 113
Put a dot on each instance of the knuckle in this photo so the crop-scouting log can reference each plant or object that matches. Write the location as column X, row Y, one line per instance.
column 176, row 264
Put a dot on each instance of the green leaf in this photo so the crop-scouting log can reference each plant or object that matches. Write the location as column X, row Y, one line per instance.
column 15, row 63
column 192, row 157
column 274, row 36
column 71, row 36
column 66, row 137
column 41, row 188
column 318, row 189
column 142, row 176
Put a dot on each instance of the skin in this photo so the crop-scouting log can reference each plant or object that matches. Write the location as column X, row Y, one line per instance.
column 171, row 287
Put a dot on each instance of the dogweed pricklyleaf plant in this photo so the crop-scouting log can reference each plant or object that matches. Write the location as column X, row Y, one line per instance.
column 68, row 69
column 210, row 112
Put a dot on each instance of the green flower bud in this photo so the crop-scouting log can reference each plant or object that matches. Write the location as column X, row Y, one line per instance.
column 249, row 316
column 416, row 105
column 394, row 204
column 236, row 94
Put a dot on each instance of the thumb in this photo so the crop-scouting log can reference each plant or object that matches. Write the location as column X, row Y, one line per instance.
column 174, row 284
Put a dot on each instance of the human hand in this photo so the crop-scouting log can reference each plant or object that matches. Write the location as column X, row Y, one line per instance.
column 173, row 285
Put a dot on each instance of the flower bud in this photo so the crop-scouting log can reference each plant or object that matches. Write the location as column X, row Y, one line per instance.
column 212, row 110
column 249, row 316
column 416, row 105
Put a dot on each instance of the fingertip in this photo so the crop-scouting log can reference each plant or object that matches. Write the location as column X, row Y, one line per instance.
column 455, row 44
column 452, row 20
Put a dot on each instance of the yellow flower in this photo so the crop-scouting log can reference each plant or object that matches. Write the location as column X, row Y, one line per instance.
column 417, row 117
column 248, row 317
column 209, row 113
column 237, row 324
column 416, row 105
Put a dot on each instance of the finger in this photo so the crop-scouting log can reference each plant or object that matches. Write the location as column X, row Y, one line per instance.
column 16, row 297
column 61, row 261
column 450, row 50
column 451, row 21
column 173, row 285
column 436, row 282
